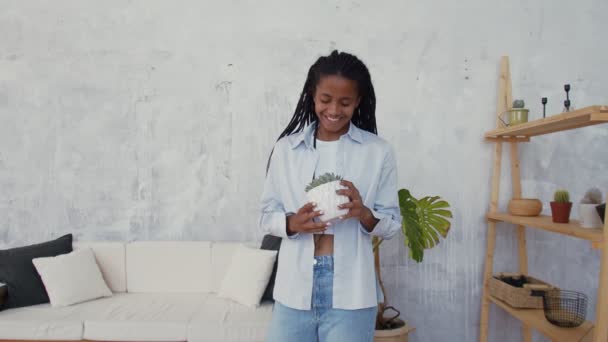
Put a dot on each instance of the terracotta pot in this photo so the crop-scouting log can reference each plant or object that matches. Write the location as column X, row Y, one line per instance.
column 561, row 212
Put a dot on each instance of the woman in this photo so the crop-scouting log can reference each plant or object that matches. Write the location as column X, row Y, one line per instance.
column 326, row 288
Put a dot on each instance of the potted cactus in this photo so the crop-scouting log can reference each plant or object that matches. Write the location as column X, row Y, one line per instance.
column 587, row 209
column 518, row 114
column 322, row 190
column 561, row 206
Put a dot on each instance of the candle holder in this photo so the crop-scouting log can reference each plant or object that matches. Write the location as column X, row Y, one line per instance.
column 567, row 103
column 544, row 102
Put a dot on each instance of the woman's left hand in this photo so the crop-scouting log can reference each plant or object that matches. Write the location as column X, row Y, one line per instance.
column 355, row 207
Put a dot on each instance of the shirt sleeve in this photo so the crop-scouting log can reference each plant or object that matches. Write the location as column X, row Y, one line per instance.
column 273, row 218
column 386, row 205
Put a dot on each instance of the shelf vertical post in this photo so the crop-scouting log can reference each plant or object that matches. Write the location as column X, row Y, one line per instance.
column 516, row 189
column 601, row 315
column 491, row 237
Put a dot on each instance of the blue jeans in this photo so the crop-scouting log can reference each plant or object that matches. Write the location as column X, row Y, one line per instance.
column 322, row 323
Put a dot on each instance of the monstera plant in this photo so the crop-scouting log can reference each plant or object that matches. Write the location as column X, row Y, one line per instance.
column 425, row 222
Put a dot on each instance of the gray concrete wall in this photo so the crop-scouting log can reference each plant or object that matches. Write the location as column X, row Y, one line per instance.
column 152, row 120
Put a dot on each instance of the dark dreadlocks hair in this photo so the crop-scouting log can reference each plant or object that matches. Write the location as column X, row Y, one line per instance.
column 347, row 66
column 341, row 64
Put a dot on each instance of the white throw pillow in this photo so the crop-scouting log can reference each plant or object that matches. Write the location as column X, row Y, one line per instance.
column 247, row 276
column 72, row 278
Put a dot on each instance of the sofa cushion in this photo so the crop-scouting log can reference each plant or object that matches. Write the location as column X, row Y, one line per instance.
column 223, row 320
column 41, row 322
column 72, row 278
column 247, row 275
column 221, row 256
column 110, row 257
column 170, row 267
column 141, row 316
column 18, row 273
column 271, row 243
column 122, row 317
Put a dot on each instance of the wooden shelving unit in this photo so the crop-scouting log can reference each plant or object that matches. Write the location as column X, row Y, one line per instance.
column 583, row 117
column 531, row 318
column 546, row 223
column 535, row 318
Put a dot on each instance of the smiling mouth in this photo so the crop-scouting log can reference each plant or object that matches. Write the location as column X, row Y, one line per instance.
column 333, row 119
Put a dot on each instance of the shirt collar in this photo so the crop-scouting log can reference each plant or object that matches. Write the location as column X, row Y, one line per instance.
column 306, row 136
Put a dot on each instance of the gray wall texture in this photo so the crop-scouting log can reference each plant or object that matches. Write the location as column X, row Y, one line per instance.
column 153, row 120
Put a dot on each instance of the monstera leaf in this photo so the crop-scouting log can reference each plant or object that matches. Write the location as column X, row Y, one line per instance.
column 424, row 221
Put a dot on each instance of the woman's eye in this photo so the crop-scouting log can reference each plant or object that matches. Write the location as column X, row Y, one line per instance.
column 345, row 104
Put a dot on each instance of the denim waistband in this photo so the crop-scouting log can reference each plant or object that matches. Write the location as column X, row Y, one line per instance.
column 325, row 261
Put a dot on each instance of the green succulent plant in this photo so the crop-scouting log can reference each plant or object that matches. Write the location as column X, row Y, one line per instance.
column 518, row 104
column 561, row 196
column 323, row 179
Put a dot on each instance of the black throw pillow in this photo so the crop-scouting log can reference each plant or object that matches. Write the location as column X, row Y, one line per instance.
column 271, row 243
column 20, row 276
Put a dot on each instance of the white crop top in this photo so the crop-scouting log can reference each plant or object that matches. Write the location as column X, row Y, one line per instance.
column 328, row 156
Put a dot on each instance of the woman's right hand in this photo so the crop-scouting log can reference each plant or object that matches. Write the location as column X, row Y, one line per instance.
column 302, row 221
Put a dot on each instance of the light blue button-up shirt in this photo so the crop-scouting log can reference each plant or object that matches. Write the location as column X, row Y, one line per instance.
column 369, row 163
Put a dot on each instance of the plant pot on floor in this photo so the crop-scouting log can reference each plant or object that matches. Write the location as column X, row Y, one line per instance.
column 589, row 216
column 560, row 211
column 397, row 334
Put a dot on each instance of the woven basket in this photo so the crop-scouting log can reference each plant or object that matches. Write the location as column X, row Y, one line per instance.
column 527, row 297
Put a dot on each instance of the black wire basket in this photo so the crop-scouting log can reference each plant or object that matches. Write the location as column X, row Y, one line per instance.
column 566, row 309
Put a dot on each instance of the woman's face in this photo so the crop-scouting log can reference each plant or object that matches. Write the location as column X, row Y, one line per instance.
column 336, row 99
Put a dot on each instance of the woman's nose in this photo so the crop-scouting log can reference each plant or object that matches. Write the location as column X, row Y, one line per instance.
column 333, row 109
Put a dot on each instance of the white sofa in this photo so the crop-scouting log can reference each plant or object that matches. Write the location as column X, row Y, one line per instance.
column 162, row 291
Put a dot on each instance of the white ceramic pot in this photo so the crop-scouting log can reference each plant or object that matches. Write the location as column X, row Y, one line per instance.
column 328, row 200
column 588, row 216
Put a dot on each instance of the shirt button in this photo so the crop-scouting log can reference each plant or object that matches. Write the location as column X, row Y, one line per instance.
column 314, row 262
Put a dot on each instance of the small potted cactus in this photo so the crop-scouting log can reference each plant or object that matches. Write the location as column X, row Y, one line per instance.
column 586, row 209
column 518, row 114
column 561, row 206
column 322, row 191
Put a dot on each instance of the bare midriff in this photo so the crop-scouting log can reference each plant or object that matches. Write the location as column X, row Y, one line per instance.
column 324, row 244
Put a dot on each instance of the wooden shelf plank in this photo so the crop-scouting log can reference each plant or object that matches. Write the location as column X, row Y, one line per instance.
column 583, row 117
column 546, row 223
column 535, row 318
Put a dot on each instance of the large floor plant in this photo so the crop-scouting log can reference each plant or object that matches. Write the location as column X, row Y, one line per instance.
column 425, row 220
